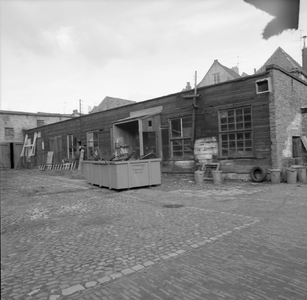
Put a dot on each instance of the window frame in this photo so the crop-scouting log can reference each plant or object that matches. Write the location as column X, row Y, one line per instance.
column 184, row 139
column 216, row 78
column 258, row 84
column 95, row 142
column 245, row 133
column 9, row 131
column 40, row 123
column 71, row 146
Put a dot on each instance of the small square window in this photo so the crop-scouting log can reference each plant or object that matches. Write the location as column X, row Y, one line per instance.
column 263, row 86
column 40, row 123
column 9, row 131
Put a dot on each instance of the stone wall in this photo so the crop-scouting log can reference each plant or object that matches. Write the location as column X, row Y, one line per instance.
column 22, row 121
column 288, row 95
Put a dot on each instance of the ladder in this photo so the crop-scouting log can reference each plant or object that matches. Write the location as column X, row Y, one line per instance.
column 28, row 148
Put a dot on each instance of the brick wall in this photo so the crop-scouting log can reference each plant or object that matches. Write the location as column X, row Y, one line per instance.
column 22, row 121
column 287, row 97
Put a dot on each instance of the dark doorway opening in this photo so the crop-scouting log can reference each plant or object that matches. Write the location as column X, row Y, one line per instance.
column 12, row 155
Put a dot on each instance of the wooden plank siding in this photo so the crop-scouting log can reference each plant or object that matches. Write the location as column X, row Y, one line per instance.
column 232, row 94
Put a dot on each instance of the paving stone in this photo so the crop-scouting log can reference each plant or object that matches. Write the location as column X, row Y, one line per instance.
column 148, row 263
column 180, row 251
column 116, row 275
column 90, row 284
column 137, row 267
column 127, row 271
column 54, row 297
column 104, row 279
column 72, row 289
column 165, row 257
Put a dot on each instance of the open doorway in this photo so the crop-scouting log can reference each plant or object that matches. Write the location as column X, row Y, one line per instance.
column 140, row 134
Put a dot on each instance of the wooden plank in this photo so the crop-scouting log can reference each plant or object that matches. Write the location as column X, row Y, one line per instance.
column 49, row 157
column 304, row 140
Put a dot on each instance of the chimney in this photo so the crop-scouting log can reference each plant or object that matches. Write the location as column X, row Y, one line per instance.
column 255, row 71
column 236, row 69
column 304, row 55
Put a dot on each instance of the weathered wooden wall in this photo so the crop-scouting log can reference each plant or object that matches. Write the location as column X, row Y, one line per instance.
column 232, row 94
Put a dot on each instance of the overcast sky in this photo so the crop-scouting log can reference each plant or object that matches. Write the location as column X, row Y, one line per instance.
column 54, row 53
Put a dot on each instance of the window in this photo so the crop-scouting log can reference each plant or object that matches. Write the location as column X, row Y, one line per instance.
column 236, row 132
column 71, row 146
column 263, row 86
column 92, row 141
column 9, row 132
column 40, row 123
column 296, row 146
column 216, row 78
column 181, row 130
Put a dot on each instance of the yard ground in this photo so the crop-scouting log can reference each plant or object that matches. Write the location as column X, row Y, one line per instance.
column 62, row 238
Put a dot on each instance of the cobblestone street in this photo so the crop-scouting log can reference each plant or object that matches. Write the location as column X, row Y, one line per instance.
column 62, row 238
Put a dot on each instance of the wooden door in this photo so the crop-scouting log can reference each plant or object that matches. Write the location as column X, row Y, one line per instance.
column 5, row 159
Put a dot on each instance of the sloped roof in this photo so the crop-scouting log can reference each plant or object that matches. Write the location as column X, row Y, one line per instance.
column 282, row 59
column 109, row 103
column 231, row 72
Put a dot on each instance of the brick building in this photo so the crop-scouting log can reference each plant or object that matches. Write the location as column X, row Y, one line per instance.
column 12, row 127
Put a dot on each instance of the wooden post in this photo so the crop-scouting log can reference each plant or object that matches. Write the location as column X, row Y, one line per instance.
column 194, row 112
column 81, row 160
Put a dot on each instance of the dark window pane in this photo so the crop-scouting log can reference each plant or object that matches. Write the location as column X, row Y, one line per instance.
column 224, row 137
column 247, row 118
column 176, row 128
column 231, row 113
column 239, row 119
column 231, row 120
column 247, row 110
column 239, row 136
column 248, row 143
column 231, row 127
column 232, row 145
column 239, row 126
column 240, row 144
column 223, row 120
column 238, row 112
column 232, row 137
column 248, row 135
column 224, row 128
column 248, row 125
column 224, row 145
column 224, row 152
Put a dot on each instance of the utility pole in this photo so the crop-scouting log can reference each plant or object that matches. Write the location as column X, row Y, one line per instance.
column 195, row 107
column 80, row 122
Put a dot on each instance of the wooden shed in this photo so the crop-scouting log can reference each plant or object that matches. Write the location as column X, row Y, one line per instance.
column 236, row 124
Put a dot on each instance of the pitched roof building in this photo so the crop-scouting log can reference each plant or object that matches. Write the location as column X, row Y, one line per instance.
column 285, row 61
column 110, row 102
column 219, row 73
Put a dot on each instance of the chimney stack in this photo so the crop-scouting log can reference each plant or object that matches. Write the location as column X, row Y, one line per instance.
column 304, row 55
column 236, row 69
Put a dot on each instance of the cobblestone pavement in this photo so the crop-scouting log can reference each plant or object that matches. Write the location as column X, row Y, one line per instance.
column 65, row 239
